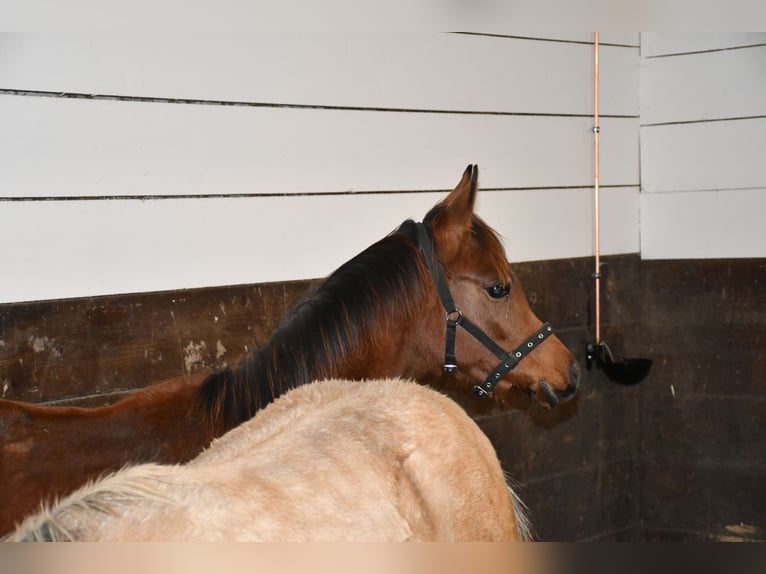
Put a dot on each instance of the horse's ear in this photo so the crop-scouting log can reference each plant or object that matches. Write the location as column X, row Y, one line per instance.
column 453, row 222
column 458, row 205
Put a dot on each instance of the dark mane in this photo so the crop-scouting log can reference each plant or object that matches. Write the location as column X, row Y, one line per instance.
column 330, row 325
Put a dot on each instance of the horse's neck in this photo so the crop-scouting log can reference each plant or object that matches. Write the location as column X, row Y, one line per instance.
column 298, row 354
column 372, row 348
column 366, row 320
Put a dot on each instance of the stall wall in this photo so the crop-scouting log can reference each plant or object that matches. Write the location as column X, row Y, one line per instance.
column 703, row 308
column 703, row 143
column 139, row 162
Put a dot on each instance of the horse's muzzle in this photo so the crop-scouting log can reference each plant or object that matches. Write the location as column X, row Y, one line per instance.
column 553, row 396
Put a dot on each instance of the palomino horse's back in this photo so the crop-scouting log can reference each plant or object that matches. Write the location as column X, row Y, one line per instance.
column 337, row 460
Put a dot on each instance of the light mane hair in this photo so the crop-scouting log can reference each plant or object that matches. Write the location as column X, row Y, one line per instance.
column 68, row 519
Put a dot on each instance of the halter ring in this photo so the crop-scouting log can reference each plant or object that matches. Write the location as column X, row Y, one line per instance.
column 458, row 316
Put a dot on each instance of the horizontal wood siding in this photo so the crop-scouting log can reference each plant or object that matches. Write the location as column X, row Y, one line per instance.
column 703, row 140
column 374, row 70
column 703, row 409
column 145, row 162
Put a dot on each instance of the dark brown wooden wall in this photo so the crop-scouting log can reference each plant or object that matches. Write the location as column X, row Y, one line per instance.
column 703, row 415
column 678, row 457
column 97, row 349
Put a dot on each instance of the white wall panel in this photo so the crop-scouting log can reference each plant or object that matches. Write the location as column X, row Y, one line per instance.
column 704, row 86
column 93, row 148
column 336, row 15
column 712, row 224
column 666, row 43
column 74, row 248
column 558, row 223
column 423, row 71
column 703, row 144
column 704, row 156
column 308, row 172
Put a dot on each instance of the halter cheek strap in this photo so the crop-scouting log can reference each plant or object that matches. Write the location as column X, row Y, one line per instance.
column 455, row 318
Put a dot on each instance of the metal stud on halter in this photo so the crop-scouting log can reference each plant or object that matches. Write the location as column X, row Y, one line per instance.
column 624, row 371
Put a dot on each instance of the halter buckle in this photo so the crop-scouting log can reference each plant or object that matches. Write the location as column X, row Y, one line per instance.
column 481, row 391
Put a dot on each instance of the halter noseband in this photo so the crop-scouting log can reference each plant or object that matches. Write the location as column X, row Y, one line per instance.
column 454, row 317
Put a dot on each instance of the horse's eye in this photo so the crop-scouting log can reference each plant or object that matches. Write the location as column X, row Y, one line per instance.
column 498, row 290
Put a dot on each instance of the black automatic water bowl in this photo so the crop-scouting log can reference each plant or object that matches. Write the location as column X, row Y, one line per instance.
column 623, row 371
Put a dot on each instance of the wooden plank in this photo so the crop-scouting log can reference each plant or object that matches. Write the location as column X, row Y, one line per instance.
column 675, row 492
column 77, row 148
column 732, row 356
column 98, row 348
column 135, row 246
column 86, row 248
column 337, row 16
column 711, row 224
column 618, row 81
column 704, row 86
column 630, row 39
column 589, row 503
column 666, row 43
column 558, row 224
column 384, row 69
column 85, row 148
column 703, row 156
column 733, row 288
column 702, row 323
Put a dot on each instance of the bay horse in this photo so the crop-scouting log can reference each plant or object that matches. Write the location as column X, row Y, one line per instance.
column 380, row 460
column 403, row 307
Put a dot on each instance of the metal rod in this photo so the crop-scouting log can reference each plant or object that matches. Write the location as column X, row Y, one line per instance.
column 596, row 198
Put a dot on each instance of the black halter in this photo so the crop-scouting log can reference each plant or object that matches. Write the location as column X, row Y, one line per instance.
column 508, row 360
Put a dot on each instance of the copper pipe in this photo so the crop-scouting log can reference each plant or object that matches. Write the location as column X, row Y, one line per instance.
column 596, row 199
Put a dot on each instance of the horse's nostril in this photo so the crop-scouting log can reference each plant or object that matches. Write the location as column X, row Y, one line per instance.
column 555, row 396
column 574, row 374
column 552, row 396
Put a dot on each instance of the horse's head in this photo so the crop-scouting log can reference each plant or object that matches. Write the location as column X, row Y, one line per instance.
column 499, row 342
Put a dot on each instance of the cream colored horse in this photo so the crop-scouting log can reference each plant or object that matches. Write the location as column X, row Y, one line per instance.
column 385, row 460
